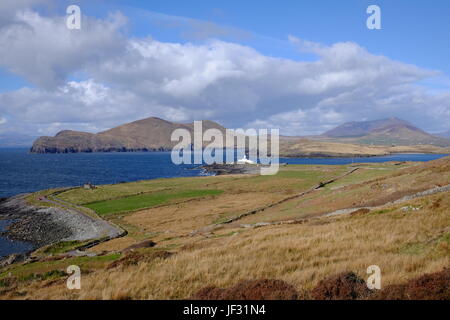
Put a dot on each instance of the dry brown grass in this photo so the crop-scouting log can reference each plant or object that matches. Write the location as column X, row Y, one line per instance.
column 298, row 254
column 117, row 244
column 292, row 146
column 404, row 243
column 376, row 189
column 179, row 220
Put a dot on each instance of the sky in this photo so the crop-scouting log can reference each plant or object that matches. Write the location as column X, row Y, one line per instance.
column 303, row 67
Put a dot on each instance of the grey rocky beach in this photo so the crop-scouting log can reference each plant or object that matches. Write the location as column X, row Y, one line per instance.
column 224, row 169
column 42, row 226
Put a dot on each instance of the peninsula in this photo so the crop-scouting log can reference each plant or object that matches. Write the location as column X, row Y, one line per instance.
column 377, row 138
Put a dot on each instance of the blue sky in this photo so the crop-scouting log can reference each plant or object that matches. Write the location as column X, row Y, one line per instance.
column 412, row 31
column 305, row 66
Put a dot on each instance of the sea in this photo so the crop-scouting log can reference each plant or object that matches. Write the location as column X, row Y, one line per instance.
column 23, row 172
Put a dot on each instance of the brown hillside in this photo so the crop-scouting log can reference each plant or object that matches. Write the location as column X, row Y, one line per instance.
column 151, row 134
column 392, row 131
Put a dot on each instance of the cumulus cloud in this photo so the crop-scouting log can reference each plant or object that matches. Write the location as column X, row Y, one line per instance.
column 84, row 105
column 242, row 87
column 132, row 78
column 44, row 51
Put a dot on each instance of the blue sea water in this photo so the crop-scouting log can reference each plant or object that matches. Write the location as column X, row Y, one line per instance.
column 7, row 246
column 22, row 172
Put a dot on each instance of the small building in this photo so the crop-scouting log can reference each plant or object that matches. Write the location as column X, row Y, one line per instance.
column 89, row 186
column 244, row 160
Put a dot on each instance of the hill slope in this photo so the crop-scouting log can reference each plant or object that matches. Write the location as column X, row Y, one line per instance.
column 393, row 215
column 153, row 134
column 383, row 132
column 445, row 134
column 150, row 134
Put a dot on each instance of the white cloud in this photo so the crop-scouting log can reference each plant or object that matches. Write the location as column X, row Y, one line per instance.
column 44, row 51
column 85, row 105
column 129, row 79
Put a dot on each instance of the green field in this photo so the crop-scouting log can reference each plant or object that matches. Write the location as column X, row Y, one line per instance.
column 146, row 200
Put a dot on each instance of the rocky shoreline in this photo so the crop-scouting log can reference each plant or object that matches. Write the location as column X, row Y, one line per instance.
column 225, row 169
column 41, row 226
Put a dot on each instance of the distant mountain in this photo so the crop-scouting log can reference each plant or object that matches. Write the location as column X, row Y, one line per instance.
column 362, row 128
column 443, row 134
column 151, row 134
column 392, row 131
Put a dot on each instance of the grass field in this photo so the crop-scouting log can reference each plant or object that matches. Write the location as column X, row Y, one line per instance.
column 194, row 249
column 141, row 201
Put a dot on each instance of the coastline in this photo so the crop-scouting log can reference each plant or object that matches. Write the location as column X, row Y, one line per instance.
column 46, row 225
column 43, row 226
column 283, row 154
column 227, row 169
column 360, row 155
